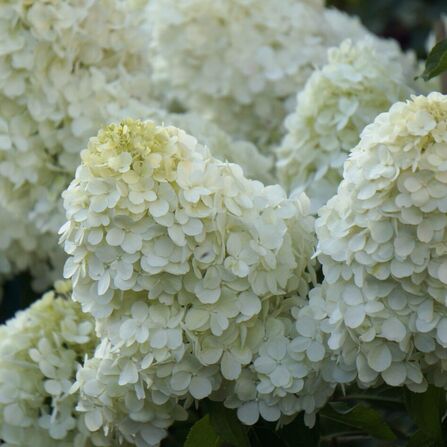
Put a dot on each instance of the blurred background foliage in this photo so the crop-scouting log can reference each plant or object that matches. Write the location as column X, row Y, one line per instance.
column 408, row 21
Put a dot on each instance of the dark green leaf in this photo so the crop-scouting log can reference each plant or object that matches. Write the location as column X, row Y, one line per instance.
column 436, row 61
column 420, row 438
column 297, row 434
column 264, row 435
column 361, row 417
column 427, row 410
column 202, row 434
column 227, row 425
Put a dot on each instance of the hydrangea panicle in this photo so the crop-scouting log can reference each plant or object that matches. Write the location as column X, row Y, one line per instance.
column 382, row 247
column 194, row 275
column 339, row 100
column 40, row 351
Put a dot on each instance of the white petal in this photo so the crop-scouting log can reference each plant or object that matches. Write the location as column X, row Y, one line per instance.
column 152, row 435
column 379, row 358
column 132, row 243
column 159, row 208
column 129, row 374
column 104, row 283
column 70, row 268
column 180, row 381
column 177, row 235
column 270, row 413
column 115, row 237
column 95, row 236
column 193, row 227
column 147, row 361
column 248, row 413
column 393, row 329
column 53, row 387
column 200, row 387
column 264, row 365
column 395, row 375
column 280, row 377
column 231, row 368
column 207, row 296
column 277, row 348
column 128, row 329
column 354, row 316
column 315, row 351
column 139, row 310
column 250, row 304
column 196, row 318
column 93, row 420
column 159, row 339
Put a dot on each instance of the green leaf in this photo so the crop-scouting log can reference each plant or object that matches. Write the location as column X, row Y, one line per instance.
column 427, row 410
column 298, row 434
column 436, row 62
column 202, row 434
column 227, row 425
column 178, row 433
column 264, row 435
column 420, row 438
column 361, row 417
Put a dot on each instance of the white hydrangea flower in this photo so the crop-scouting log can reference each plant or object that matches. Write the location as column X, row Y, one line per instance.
column 66, row 69
column 241, row 63
column 40, row 350
column 382, row 247
column 189, row 268
column 287, row 374
column 256, row 165
column 339, row 100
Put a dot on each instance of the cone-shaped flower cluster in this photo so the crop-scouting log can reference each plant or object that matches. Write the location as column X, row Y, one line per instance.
column 40, row 350
column 194, row 275
column 382, row 244
column 358, row 82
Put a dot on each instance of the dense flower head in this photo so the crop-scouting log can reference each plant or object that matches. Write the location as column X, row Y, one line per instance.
column 238, row 57
column 40, row 350
column 191, row 271
column 358, row 82
column 152, row 199
column 382, row 245
column 66, row 69
column 241, row 63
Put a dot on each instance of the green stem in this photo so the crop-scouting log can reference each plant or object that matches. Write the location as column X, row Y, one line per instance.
column 390, row 400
